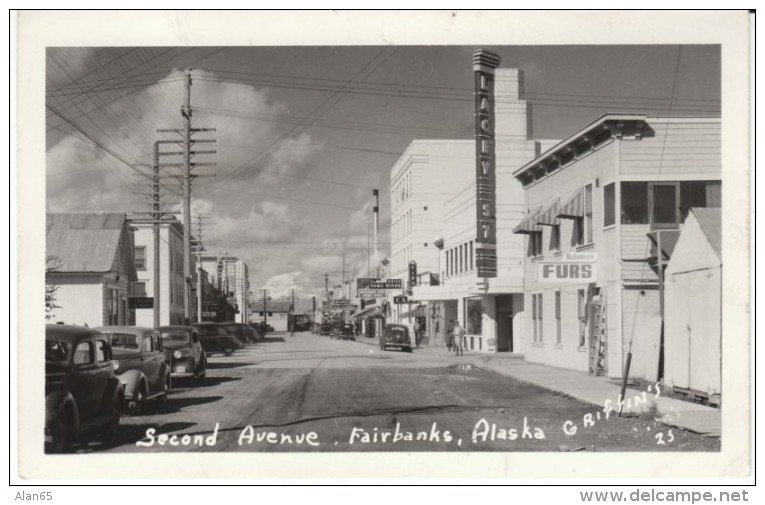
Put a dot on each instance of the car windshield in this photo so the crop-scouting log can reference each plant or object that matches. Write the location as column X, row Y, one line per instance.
column 233, row 328
column 122, row 340
column 396, row 330
column 55, row 350
column 208, row 331
column 180, row 337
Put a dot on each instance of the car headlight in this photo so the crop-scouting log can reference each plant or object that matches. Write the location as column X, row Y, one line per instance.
column 177, row 355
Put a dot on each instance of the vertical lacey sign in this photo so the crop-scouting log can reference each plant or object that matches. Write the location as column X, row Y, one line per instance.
column 484, row 64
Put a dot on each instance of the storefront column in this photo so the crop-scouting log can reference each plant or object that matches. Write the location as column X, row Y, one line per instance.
column 489, row 323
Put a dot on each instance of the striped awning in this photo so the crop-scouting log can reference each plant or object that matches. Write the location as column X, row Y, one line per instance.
column 574, row 206
column 529, row 223
column 549, row 214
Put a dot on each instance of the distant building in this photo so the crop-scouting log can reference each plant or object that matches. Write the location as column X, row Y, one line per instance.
column 230, row 275
column 91, row 257
column 693, row 308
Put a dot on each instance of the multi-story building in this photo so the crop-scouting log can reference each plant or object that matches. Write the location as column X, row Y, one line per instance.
column 231, row 276
column 603, row 211
column 171, row 281
column 470, row 279
column 90, row 265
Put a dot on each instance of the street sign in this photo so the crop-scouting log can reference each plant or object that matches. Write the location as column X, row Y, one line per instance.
column 342, row 302
column 141, row 302
column 400, row 299
column 371, row 293
column 386, row 284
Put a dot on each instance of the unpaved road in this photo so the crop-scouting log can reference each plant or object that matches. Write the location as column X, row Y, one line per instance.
column 312, row 393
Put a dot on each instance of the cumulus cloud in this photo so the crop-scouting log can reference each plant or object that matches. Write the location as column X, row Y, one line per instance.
column 281, row 285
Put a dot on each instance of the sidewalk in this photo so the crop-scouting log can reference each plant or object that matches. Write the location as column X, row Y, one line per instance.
column 588, row 388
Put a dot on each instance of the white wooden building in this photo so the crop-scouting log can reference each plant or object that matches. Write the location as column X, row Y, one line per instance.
column 693, row 307
column 605, row 197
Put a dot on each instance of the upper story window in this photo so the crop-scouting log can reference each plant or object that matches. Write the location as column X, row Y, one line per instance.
column 535, row 244
column 609, row 204
column 666, row 204
column 588, row 214
column 140, row 257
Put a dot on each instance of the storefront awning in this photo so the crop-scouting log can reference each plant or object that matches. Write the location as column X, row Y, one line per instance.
column 529, row 223
column 574, row 206
column 369, row 311
column 549, row 215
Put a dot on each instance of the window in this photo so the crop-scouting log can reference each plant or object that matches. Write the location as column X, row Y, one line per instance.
column 474, row 315
column 83, row 354
column 139, row 289
column 460, row 260
column 554, row 238
column 664, row 204
column 102, row 354
column 535, row 244
column 557, row 318
column 140, row 257
column 147, row 344
column 609, row 204
column 537, row 316
column 588, row 213
column 581, row 314
column 472, row 262
column 699, row 194
column 634, row 203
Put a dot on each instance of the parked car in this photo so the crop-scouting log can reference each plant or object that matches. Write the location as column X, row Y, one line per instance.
column 325, row 329
column 82, row 393
column 266, row 328
column 215, row 338
column 237, row 330
column 183, row 352
column 142, row 368
column 346, row 332
column 396, row 335
column 254, row 334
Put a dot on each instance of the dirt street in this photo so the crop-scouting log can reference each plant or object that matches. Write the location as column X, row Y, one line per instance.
column 312, row 393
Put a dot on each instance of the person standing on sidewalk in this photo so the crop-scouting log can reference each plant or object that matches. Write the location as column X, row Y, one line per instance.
column 417, row 333
column 459, row 337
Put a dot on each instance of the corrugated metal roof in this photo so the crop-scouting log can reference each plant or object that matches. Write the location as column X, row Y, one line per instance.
column 710, row 220
column 83, row 242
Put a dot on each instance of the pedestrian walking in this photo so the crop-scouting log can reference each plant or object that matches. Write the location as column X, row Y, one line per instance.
column 450, row 336
column 459, row 337
column 417, row 332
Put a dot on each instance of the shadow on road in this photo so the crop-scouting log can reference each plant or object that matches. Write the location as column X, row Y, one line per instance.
column 214, row 381
column 269, row 340
column 173, row 405
column 230, row 364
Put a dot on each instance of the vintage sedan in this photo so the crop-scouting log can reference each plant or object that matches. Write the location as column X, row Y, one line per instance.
column 346, row 332
column 238, row 330
column 142, row 367
column 183, row 352
column 215, row 338
column 82, row 393
column 396, row 335
column 254, row 334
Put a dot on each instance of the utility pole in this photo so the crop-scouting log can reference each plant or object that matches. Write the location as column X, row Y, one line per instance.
column 291, row 317
column 265, row 309
column 156, row 217
column 187, row 177
column 198, row 250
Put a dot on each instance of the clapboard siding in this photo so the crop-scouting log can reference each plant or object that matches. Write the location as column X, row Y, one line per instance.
column 635, row 245
column 678, row 148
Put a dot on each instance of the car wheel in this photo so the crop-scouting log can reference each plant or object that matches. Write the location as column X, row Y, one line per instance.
column 408, row 349
column 135, row 406
column 161, row 399
column 61, row 432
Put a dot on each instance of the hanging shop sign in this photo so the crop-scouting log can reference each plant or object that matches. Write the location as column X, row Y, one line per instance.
column 484, row 65
column 141, row 303
column 386, row 284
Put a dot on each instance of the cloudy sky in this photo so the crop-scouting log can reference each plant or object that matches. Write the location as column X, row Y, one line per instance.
column 305, row 133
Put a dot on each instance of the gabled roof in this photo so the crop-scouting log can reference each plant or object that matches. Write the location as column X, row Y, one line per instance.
column 710, row 221
column 85, row 243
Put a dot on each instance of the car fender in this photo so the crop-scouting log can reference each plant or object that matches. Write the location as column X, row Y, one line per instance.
column 115, row 390
column 131, row 380
column 57, row 399
column 164, row 376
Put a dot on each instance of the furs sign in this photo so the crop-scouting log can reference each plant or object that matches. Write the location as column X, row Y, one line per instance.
column 484, row 65
column 575, row 268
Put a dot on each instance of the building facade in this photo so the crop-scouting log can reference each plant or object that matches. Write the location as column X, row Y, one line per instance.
column 230, row 276
column 474, row 281
column 171, row 282
column 90, row 261
column 603, row 211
